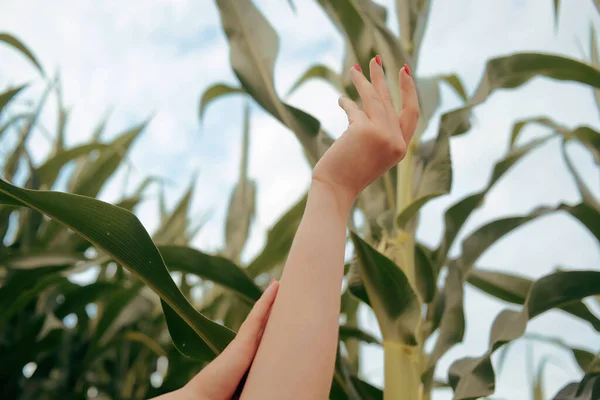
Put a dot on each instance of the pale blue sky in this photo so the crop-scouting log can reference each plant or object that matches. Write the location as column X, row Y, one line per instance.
column 142, row 57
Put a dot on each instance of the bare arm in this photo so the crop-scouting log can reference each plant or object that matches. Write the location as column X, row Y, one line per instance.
column 296, row 357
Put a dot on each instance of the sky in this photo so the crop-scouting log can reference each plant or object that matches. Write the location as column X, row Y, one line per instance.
column 145, row 58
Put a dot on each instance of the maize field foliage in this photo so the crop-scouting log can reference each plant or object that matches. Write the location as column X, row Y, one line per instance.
column 135, row 332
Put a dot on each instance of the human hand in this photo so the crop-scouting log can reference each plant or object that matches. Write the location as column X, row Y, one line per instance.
column 376, row 138
column 220, row 379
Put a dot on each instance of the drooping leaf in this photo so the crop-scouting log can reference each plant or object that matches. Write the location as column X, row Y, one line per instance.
column 455, row 83
column 392, row 298
column 17, row 44
column 214, row 92
column 119, row 233
column 552, row 291
column 322, row 72
column 279, row 240
column 586, row 194
column 353, row 332
column 512, row 71
column 588, row 362
column 587, row 389
column 584, row 134
column 253, row 49
column 214, row 268
column 484, row 237
column 456, row 216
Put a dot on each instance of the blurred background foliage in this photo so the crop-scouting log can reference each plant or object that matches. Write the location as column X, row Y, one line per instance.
column 111, row 336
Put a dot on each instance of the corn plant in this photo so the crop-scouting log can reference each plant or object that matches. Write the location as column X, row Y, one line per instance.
column 391, row 272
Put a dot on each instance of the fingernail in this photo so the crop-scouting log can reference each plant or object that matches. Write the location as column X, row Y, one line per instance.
column 378, row 60
column 407, row 70
column 357, row 67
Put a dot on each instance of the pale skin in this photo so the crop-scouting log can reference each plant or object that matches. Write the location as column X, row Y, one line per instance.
column 289, row 340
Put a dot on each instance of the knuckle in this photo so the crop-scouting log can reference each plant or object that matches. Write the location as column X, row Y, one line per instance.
column 398, row 149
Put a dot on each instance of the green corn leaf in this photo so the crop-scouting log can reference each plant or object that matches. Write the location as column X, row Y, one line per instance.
column 353, row 332
column 514, row 289
column 77, row 298
column 356, row 285
column 95, row 174
column 48, row 172
column 240, row 212
column 512, row 71
column 279, row 240
column 412, row 20
column 474, row 377
column 587, row 361
column 455, row 83
column 17, row 44
column 436, row 179
column 392, row 298
column 25, row 287
column 586, row 194
column 595, row 60
column 12, row 163
column 63, row 115
column 119, row 233
column 213, row 93
column 174, row 228
column 584, row 134
column 39, row 258
column 8, row 95
column 214, row 268
column 253, row 49
column 322, row 72
column 556, row 9
column 452, row 324
column 425, row 275
column 456, row 216
column 484, row 237
column 12, row 120
column 185, row 339
column 589, row 387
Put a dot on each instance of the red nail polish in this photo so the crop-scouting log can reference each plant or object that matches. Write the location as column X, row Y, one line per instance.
column 378, row 60
column 357, row 67
column 407, row 69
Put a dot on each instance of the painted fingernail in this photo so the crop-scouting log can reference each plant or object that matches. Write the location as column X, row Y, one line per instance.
column 378, row 60
column 407, row 70
column 357, row 67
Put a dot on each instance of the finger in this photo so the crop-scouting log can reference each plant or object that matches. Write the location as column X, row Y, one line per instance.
column 380, row 84
column 224, row 373
column 409, row 116
column 351, row 109
column 372, row 104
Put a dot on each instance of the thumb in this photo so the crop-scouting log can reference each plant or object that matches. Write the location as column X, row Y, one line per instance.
column 351, row 109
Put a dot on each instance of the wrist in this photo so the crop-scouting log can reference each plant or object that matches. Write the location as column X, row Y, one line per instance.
column 341, row 197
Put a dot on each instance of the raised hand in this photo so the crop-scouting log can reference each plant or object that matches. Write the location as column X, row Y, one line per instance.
column 376, row 138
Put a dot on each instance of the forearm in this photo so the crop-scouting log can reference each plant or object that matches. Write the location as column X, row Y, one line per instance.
column 296, row 356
